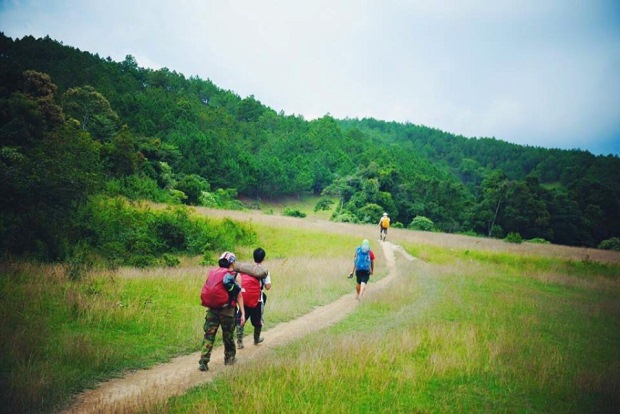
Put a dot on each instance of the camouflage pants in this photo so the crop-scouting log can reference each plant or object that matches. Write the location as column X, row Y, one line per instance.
column 213, row 320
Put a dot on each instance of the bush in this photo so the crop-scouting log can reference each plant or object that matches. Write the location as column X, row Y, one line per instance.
column 514, row 238
column 497, row 231
column 138, row 187
column 398, row 225
column 538, row 240
column 170, row 261
column 370, row 213
column 422, row 223
column 344, row 217
column 610, row 244
column 125, row 234
column 325, row 203
column 225, row 198
column 293, row 213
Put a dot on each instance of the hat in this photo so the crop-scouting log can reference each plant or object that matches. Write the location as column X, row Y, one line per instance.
column 365, row 245
column 229, row 256
column 385, row 214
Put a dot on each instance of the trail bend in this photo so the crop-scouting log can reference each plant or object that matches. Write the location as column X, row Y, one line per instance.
column 139, row 389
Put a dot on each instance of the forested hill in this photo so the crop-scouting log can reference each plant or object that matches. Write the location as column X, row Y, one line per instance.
column 74, row 124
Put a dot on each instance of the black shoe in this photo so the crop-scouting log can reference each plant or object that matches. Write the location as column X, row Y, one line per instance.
column 230, row 361
column 259, row 340
column 239, row 344
column 203, row 367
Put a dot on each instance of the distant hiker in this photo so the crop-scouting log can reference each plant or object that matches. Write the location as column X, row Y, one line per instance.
column 363, row 267
column 220, row 294
column 254, row 300
column 384, row 225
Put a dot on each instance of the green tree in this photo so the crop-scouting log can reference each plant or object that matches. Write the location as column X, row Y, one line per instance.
column 192, row 186
column 92, row 110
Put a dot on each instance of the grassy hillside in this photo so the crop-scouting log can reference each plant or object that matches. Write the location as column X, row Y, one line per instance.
column 473, row 325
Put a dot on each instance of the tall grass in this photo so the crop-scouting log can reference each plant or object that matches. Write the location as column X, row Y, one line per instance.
column 464, row 333
column 61, row 335
column 463, row 329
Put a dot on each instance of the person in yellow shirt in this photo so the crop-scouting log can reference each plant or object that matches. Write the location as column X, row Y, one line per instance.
column 384, row 224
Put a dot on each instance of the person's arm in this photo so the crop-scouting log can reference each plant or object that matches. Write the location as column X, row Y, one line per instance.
column 372, row 262
column 267, row 285
column 240, row 301
column 353, row 271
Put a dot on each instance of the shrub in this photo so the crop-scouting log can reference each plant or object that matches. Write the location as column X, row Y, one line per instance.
column 170, row 261
column 422, row 223
column 344, row 217
column 538, row 240
column 137, row 187
column 325, row 203
column 398, row 225
column 370, row 213
column 293, row 213
column 124, row 234
column 497, row 231
column 610, row 244
column 514, row 237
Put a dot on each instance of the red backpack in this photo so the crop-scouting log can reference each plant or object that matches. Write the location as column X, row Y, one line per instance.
column 214, row 294
column 252, row 290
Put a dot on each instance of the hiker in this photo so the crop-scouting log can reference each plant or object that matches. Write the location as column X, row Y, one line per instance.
column 220, row 294
column 254, row 300
column 384, row 224
column 363, row 267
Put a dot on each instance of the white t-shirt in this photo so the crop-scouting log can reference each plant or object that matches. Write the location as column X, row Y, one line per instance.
column 265, row 281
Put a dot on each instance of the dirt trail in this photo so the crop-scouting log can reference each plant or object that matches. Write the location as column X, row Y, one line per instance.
column 139, row 389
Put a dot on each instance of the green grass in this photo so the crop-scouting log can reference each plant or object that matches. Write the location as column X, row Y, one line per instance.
column 463, row 336
column 65, row 335
column 458, row 331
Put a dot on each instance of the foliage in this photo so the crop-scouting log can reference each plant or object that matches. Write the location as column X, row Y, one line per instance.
column 324, row 203
column 344, row 216
column 291, row 212
column 422, row 223
column 126, row 234
column 221, row 198
column 513, row 237
column 537, row 240
column 191, row 139
column 610, row 244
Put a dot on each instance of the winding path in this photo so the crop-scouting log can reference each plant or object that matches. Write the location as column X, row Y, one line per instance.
column 142, row 388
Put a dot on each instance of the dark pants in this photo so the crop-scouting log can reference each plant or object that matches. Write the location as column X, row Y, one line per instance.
column 254, row 315
column 362, row 276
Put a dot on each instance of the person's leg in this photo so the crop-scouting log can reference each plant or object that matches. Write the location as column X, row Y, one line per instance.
column 362, row 289
column 257, row 323
column 239, row 330
column 211, row 326
column 363, row 282
column 228, row 337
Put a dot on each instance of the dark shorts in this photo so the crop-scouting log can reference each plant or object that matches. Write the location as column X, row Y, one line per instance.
column 384, row 230
column 362, row 276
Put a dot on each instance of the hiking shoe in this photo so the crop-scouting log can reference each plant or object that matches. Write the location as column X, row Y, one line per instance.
column 259, row 340
column 203, row 367
column 230, row 361
column 240, row 344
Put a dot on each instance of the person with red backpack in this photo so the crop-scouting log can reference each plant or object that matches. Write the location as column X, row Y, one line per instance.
column 254, row 299
column 363, row 267
column 220, row 295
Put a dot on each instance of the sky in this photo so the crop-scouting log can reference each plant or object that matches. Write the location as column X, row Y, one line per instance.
column 542, row 73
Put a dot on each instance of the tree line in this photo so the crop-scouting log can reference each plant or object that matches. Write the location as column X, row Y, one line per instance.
column 74, row 125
